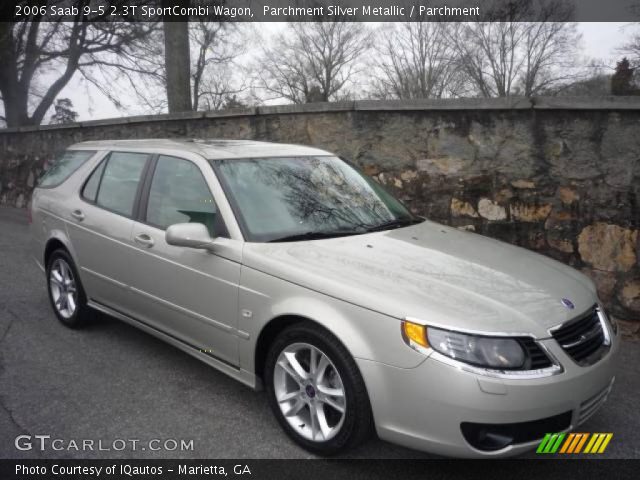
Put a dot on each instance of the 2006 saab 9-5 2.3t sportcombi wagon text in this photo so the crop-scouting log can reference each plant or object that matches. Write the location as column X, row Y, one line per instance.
column 287, row 268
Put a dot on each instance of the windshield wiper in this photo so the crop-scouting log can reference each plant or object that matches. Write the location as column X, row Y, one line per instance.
column 317, row 235
column 396, row 223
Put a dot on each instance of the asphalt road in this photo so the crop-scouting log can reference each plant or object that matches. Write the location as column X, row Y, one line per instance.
column 111, row 381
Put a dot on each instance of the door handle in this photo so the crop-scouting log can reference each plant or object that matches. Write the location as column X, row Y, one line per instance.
column 78, row 215
column 144, row 240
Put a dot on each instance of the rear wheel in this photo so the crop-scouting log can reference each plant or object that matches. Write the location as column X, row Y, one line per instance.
column 316, row 391
column 66, row 294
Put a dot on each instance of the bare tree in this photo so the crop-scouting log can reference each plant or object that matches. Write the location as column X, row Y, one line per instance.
column 549, row 52
column 416, row 60
column 213, row 74
column 29, row 49
column 313, row 61
column 217, row 45
column 595, row 81
column 122, row 78
column 631, row 48
column 512, row 55
column 486, row 54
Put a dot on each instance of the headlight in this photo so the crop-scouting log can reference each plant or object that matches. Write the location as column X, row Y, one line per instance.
column 488, row 352
column 482, row 351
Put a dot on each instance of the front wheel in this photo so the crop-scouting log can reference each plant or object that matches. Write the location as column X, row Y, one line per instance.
column 316, row 391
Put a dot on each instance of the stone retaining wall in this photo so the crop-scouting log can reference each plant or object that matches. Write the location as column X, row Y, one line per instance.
column 559, row 176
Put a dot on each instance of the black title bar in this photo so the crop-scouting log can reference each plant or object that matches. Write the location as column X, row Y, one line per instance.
column 317, row 469
column 320, row 10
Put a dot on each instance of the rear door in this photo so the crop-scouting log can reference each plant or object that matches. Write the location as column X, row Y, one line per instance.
column 100, row 226
column 48, row 205
column 188, row 293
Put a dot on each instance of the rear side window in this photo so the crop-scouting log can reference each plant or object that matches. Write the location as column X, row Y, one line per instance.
column 119, row 183
column 63, row 167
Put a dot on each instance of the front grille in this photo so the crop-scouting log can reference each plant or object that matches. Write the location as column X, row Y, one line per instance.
column 583, row 338
column 537, row 359
column 590, row 406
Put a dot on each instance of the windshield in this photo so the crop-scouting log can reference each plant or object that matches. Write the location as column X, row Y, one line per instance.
column 295, row 198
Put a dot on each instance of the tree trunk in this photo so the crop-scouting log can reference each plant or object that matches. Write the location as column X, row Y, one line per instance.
column 14, row 97
column 15, row 110
column 178, row 66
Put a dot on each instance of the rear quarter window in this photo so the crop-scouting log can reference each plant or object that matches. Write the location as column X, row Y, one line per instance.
column 63, row 166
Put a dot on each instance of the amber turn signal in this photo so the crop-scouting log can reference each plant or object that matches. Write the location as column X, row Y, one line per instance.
column 415, row 333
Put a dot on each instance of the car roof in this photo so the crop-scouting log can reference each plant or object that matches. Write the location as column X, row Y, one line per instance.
column 208, row 148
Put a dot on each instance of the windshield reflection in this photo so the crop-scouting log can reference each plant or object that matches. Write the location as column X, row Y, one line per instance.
column 293, row 196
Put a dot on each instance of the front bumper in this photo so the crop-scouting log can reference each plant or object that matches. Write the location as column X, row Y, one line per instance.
column 424, row 407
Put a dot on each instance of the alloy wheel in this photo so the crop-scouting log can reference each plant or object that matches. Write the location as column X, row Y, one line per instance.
column 309, row 392
column 63, row 288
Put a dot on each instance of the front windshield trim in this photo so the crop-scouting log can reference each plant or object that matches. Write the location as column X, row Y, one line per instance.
column 237, row 211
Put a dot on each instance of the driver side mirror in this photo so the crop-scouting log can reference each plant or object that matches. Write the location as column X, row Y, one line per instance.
column 190, row 235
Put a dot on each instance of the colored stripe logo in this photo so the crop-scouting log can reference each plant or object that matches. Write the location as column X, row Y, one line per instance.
column 574, row 443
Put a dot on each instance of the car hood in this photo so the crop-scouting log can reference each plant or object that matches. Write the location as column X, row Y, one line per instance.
column 435, row 274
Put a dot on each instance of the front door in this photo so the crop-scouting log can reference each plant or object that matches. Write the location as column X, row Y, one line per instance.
column 187, row 293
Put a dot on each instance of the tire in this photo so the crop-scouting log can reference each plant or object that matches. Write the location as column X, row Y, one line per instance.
column 329, row 431
column 66, row 295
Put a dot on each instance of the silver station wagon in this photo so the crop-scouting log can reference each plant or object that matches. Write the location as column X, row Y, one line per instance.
column 288, row 269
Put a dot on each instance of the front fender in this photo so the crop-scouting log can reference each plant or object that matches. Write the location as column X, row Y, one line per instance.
column 365, row 334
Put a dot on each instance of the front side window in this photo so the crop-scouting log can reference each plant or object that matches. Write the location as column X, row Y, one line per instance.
column 120, row 179
column 292, row 198
column 179, row 194
column 63, row 167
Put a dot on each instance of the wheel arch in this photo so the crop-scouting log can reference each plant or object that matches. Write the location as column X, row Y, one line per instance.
column 281, row 321
column 270, row 332
column 56, row 241
column 361, row 332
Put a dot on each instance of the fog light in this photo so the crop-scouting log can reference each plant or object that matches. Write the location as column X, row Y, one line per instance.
column 490, row 437
column 483, row 438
